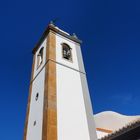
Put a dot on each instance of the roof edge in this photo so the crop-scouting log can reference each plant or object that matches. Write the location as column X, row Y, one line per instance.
column 122, row 130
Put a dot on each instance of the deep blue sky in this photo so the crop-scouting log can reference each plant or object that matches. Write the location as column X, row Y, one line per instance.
column 110, row 30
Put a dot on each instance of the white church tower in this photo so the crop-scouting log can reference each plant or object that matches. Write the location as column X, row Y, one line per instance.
column 59, row 106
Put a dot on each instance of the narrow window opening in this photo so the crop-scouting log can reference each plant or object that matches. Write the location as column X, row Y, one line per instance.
column 34, row 123
column 40, row 57
column 37, row 96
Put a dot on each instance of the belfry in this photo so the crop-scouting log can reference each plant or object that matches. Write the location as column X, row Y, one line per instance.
column 59, row 106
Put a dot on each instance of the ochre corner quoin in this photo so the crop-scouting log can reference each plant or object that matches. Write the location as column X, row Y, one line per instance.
column 50, row 106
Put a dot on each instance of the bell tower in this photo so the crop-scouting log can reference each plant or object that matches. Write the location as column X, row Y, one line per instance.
column 59, row 106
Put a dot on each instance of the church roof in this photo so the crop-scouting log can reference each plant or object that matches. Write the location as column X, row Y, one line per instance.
column 133, row 125
column 112, row 120
column 108, row 123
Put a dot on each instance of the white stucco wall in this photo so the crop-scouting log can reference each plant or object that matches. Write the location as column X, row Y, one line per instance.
column 73, row 102
column 36, row 107
column 88, row 106
column 72, row 121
